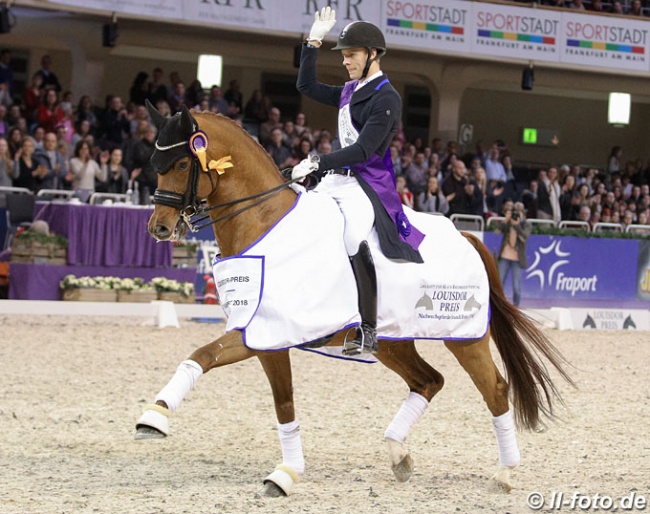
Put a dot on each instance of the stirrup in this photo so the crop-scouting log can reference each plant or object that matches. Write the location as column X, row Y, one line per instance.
column 365, row 341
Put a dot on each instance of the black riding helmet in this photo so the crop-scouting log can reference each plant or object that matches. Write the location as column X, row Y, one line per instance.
column 362, row 34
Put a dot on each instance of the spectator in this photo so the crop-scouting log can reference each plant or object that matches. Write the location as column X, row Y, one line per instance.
column 432, row 200
column 416, row 174
column 83, row 169
column 512, row 252
column 615, row 160
column 405, row 195
column 256, row 110
column 584, row 213
column 4, row 125
column 234, row 95
column 495, row 196
column 279, row 151
column 473, row 203
column 6, row 165
column 157, row 89
column 139, row 91
column 49, row 157
column 596, row 6
column 268, row 126
column 115, row 124
column 50, row 113
column 27, row 172
column 304, row 149
column 636, row 9
column 568, row 198
column 549, row 196
column 50, row 80
column 143, row 172
column 530, row 199
column 6, row 71
column 578, row 5
column 217, row 102
column 493, row 167
column 117, row 176
column 178, row 98
column 453, row 187
column 32, row 99
column 300, row 122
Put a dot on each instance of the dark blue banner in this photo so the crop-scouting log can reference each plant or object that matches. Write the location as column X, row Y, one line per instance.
column 578, row 270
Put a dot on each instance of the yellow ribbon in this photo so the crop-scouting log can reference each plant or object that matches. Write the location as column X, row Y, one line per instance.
column 221, row 165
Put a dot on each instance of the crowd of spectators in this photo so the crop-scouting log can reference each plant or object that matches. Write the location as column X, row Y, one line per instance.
column 50, row 140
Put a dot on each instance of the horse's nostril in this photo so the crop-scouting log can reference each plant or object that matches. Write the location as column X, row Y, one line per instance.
column 162, row 232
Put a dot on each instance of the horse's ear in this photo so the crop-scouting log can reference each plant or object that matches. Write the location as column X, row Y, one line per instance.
column 157, row 118
column 187, row 120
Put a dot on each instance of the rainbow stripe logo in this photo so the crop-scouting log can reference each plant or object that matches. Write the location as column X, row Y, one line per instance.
column 513, row 36
column 612, row 47
column 421, row 25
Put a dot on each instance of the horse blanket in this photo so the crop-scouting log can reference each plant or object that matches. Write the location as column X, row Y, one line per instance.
column 295, row 284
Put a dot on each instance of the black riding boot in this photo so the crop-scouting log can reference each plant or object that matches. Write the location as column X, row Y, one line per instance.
column 365, row 339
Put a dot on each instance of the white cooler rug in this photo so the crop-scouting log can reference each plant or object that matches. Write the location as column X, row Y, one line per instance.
column 295, row 284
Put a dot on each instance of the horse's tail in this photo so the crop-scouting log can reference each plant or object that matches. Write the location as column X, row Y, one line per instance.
column 520, row 343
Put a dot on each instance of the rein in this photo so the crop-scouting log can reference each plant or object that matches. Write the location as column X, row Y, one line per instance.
column 189, row 205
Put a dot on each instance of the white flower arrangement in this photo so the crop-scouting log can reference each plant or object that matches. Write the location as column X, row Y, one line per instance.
column 162, row 284
column 73, row 282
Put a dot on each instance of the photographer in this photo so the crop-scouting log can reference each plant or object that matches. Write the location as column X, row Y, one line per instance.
column 512, row 253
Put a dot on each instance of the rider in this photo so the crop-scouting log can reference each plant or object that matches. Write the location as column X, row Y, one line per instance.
column 360, row 176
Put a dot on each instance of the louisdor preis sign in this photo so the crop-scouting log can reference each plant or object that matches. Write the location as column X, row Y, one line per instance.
column 449, row 26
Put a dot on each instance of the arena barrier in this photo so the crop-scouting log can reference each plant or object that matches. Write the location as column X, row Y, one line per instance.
column 163, row 314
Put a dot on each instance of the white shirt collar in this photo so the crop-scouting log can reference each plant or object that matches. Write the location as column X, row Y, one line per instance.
column 368, row 79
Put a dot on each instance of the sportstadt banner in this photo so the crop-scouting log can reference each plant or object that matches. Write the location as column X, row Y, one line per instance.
column 455, row 27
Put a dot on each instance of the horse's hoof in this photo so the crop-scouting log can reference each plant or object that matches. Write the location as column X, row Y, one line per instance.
column 280, row 482
column 271, row 490
column 403, row 470
column 145, row 432
column 500, row 482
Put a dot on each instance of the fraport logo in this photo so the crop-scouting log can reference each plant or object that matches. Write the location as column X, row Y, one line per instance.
column 547, row 268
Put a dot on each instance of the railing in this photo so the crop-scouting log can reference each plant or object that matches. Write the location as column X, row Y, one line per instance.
column 96, row 198
column 468, row 222
column 608, row 227
column 575, row 225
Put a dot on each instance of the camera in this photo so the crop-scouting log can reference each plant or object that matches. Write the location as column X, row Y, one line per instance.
column 514, row 215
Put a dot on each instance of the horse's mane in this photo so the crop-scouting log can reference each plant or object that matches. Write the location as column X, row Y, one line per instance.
column 220, row 116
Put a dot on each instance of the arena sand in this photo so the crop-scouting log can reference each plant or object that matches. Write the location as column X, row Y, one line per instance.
column 72, row 390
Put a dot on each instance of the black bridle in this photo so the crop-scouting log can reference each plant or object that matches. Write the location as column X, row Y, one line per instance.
column 193, row 211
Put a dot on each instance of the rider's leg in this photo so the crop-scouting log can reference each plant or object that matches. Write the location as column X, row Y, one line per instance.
column 359, row 220
column 364, row 273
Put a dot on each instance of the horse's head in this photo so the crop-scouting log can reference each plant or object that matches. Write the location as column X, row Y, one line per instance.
column 209, row 167
column 181, row 186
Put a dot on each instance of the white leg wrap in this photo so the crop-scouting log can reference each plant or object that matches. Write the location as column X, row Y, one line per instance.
column 408, row 414
column 504, row 429
column 291, row 444
column 181, row 383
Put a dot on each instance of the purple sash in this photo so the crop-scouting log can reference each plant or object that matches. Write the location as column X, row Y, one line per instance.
column 379, row 174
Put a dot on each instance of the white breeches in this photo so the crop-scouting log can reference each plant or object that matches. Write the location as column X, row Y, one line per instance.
column 354, row 204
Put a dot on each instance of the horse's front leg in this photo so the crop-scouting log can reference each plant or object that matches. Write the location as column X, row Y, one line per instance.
column 228, row 349
column 277, row 366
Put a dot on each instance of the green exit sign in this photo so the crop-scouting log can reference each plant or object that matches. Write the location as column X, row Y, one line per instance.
column 540, row 137
column 530, row 136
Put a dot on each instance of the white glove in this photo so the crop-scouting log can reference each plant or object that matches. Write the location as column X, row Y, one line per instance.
column 304, row 168
column 323, row 23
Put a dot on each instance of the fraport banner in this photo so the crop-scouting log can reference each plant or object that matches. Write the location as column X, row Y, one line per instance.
column 581, row 272
column 525, row 32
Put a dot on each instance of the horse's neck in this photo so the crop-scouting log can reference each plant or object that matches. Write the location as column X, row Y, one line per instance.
column 253, row 172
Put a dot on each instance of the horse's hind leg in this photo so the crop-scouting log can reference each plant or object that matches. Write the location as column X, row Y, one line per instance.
column 277, row 367
column 228, row 349
column 476, row 359
column 424, row 382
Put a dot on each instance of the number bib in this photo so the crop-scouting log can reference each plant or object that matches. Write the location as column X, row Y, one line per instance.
column 239, row 284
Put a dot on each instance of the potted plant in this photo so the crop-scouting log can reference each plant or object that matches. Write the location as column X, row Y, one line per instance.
column 173, row 290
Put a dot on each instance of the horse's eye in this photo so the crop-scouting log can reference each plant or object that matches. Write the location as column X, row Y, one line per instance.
column 182, row 166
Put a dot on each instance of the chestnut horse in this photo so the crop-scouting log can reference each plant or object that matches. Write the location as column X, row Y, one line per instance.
column 246, row 201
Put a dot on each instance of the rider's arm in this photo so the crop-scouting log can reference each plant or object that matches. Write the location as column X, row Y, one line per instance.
column 307, row 83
